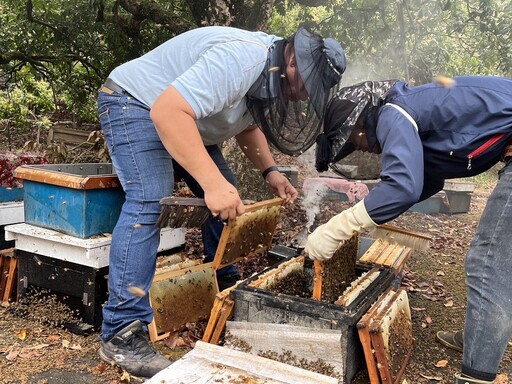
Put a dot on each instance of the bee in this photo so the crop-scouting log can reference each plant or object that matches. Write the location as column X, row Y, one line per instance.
column 444, row 81
column 136, row 291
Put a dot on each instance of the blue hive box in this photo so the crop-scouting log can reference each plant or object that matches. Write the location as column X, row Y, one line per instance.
column 10, row 194
column 80, row 200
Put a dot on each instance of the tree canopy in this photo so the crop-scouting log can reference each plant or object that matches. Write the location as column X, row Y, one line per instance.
column 69, row 47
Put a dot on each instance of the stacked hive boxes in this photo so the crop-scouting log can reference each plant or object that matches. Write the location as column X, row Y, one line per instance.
column 70, row 211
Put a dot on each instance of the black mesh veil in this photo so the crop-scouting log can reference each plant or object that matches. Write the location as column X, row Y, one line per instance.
column 290, row 111
column 342, row 113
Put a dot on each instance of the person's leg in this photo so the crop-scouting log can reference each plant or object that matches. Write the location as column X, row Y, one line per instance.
column 488, row 265
column 212, row 229
column 145, row 171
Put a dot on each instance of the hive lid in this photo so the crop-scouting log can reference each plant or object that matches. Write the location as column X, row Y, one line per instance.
column 75, row 176
column 208, row 363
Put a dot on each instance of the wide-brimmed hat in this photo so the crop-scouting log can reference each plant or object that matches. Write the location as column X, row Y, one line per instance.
column 321, row 63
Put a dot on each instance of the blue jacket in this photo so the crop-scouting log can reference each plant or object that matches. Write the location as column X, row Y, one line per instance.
column 460, row 131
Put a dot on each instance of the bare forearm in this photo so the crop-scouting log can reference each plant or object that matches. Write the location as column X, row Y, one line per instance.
column 253, row 143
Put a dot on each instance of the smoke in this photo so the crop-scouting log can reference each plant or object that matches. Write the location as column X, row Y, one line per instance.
column 367, row 68
column 313, row 196
column 360, row 69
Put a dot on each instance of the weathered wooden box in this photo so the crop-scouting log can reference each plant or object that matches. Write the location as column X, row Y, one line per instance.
column 73, row 269
column 81, row 200
column 260, row 305
column 81, row 288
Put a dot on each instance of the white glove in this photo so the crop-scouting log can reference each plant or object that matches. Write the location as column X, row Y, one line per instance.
column 328, row 237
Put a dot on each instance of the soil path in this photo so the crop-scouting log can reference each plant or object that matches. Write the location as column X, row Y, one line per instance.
column 34, row 350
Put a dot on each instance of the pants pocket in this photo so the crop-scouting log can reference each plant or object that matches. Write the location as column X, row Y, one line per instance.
column 106, row 126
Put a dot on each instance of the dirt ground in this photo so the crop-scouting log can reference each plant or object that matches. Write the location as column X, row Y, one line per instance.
column 36, row 349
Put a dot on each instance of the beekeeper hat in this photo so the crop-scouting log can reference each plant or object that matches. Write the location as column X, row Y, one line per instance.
column 321, row 63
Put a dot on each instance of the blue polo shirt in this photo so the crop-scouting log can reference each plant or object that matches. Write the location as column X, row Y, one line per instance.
column 211, row 67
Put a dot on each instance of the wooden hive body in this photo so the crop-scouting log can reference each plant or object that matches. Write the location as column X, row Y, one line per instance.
column 185, row 292
column 386, row 334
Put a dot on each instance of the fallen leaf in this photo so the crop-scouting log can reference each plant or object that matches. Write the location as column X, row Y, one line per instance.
column 12, row 355
column 449, row 303
column 125, row 377
column 436, row 378
column 428, row 320
column 442, row 363
column 38, row 346
column 67, row 344
column 501, row 379
column 440, row 273
column 22, row 334
column 53, row 337
column 26, row 354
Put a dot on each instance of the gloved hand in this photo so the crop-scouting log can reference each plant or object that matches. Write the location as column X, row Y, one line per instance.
column 328, row 237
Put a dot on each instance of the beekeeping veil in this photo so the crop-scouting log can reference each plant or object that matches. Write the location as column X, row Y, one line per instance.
column 289, row 123
column 342, row 112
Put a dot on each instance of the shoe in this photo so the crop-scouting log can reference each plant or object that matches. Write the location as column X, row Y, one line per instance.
column 459, row 379
column 130, row 349
column 227, row 281
column 452, row 340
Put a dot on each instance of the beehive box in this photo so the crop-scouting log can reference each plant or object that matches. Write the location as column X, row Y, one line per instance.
column 73, row 269
column 82, row 288
column 458, row 194
column 256, row 303
column 431, row 205
column 8, row 194
column 10, row 213
column 81, row 200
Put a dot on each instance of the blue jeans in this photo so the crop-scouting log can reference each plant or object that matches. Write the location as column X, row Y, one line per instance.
column 488, row 265
column 146, row 172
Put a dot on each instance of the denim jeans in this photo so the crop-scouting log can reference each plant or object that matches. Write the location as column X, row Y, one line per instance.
column 146, row 172
column 488, row 265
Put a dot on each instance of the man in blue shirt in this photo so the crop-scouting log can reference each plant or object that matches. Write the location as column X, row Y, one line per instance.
column 166, row 113
column 427, row 134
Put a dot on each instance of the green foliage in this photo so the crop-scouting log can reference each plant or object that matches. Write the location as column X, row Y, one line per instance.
column 61, row 51
column 416, row 40
column 288, row 16
column 27, row 104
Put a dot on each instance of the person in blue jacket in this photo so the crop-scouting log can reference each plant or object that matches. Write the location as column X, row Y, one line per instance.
column 425, row 135
column 167, row 113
